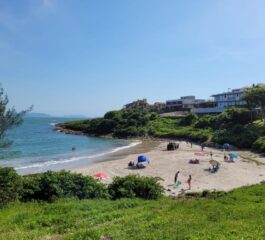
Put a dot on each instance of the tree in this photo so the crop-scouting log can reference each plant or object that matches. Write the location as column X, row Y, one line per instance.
column 9, row 118
column 255, row 98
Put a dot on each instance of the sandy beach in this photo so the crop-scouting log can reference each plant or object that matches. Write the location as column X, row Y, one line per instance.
column 247, row 169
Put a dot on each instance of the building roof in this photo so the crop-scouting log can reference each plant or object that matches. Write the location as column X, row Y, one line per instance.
column 234, row 91
column 238, row 90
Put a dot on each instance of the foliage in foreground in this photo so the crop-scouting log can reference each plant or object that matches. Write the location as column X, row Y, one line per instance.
column 136, row 186
column 50, row 186
column 10, row 185
column 235, row 215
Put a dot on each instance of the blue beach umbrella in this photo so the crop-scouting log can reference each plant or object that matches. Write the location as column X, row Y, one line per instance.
column 226, row 145
column 233, row 155
column 142, row 158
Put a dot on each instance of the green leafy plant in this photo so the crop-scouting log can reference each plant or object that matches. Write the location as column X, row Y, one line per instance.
column 10, row 185
column 133, row 186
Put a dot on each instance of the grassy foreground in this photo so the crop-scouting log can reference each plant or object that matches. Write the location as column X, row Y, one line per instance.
column 239, row 214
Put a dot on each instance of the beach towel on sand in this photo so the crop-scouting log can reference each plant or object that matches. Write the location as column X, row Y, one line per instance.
column 178, row 183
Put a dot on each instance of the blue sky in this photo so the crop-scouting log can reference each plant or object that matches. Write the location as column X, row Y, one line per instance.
column 88, row 57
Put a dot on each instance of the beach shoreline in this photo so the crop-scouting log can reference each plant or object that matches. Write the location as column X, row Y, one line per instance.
column 248, row 169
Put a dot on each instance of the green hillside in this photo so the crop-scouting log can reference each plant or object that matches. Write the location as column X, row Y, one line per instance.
column 239, row 214
column 234, row 126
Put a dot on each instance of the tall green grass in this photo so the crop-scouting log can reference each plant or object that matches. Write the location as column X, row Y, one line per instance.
column 239, row 214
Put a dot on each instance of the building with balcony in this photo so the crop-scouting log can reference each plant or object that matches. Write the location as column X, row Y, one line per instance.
column 185, row 103
column 223, row 100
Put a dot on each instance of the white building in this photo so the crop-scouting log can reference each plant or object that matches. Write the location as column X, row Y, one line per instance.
column 186, row 102
column 228, row 99
column 224, row 100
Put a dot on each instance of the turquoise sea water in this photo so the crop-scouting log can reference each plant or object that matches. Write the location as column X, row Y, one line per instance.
column 37, row 147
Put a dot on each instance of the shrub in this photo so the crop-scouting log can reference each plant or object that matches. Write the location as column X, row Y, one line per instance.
column 10, row 185
column 234, row 115
column 207, row 121
column 30, row 187
column 259, row 145
column 133, row 186
column 188, row 119
column 50, row 186
column 238, row 135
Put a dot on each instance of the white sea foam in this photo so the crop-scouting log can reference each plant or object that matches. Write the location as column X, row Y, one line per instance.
column 74, row 159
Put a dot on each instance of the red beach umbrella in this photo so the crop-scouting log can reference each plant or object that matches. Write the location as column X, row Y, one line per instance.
column 101, row 175
column 199, row 154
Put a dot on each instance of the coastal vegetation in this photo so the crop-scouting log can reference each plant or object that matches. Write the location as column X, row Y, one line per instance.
column 237, row 126
column 9, row 118
column 51, row 186
column 255, row 98
column 238, row 214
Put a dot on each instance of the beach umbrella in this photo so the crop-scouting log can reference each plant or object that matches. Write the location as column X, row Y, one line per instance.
column 226, row 145
column 142, row 158
column 233, row 155
column 101, row 175
column 199, row 154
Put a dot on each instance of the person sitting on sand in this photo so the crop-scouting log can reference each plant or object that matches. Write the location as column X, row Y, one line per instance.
column 231, row 158
column 131, row 164
column 189, row 182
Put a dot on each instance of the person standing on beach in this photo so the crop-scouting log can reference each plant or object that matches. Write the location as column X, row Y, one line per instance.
column 191, row 144
column 176, row 177
column 202, row 147
column 189, row 182
column 211, row 154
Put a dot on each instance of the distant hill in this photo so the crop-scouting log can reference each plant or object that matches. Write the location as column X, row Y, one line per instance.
column 43, row 115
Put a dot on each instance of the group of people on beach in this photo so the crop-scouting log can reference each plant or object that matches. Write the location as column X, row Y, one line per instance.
column 178, row 183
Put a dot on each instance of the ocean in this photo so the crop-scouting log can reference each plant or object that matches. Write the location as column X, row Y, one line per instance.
column 37, row 147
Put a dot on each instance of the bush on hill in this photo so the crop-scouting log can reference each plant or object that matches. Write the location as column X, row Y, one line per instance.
column 133, row 186
column 238, row 135
column 188, row 119
column 122, row 124
column 206, row 121
column 259, row 145
column 234, row 126
column 50, row 186
column 10, row 185
column 228, row 118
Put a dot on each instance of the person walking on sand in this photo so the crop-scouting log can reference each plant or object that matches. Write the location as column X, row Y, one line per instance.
column 176, row 177
column 189, row 182
column 177, row 182
column 211, row 154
